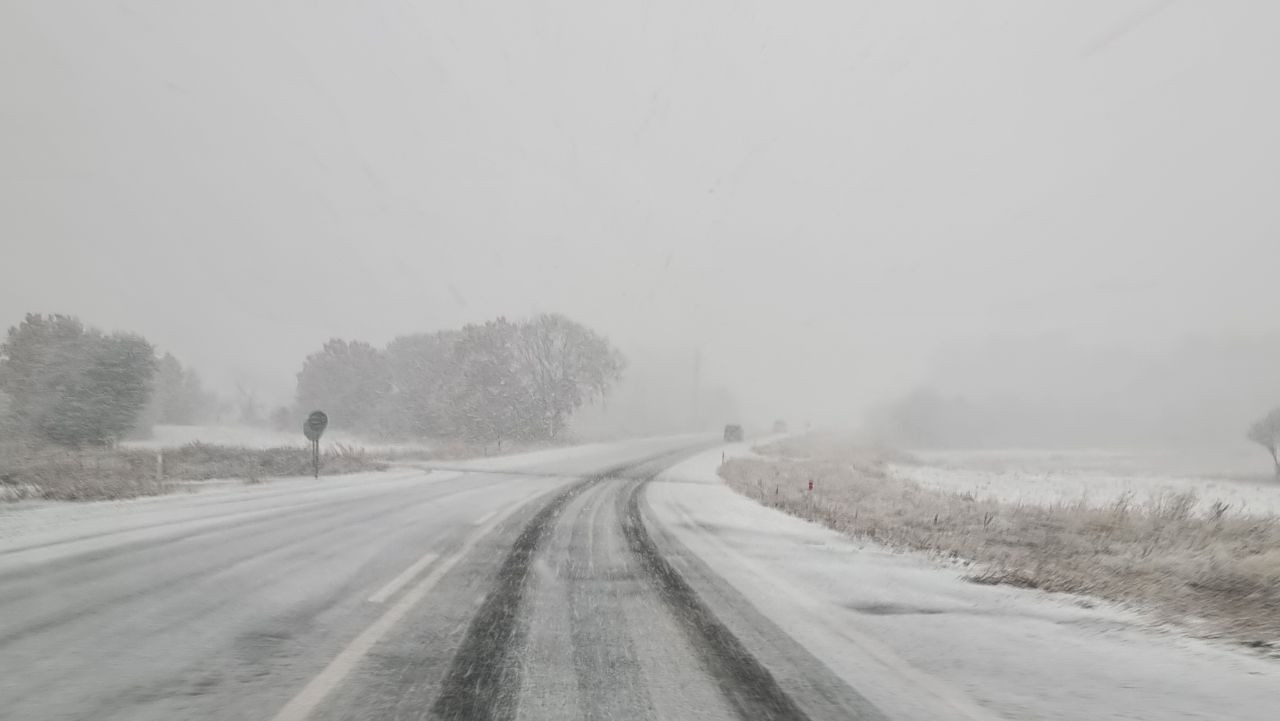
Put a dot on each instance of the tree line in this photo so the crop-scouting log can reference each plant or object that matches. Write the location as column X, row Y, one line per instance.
column 69, row 384
column 66, row 383
column 484, row 383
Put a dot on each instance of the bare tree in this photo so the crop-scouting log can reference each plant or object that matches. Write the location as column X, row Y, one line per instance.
column 1266, row 433
column 564, row 364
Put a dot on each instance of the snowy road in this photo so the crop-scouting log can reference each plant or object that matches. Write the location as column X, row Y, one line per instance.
column 237, row 604
column 589, row 583
column 531, row 591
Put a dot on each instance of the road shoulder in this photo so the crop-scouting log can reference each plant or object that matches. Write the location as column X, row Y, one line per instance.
column 917, row 640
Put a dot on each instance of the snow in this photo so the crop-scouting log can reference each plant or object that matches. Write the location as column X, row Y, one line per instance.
column 1099, row 478
column 163, row 436
column 72, row 525
column 585, row 458
column 29, row 523
column 921, row 643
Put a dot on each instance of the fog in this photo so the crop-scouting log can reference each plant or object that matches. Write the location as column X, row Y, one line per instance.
column 803, row 210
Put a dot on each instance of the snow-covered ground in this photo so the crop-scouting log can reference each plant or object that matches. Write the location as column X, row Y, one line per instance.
column 29, row 521
column 164, row 436
column 257, row 437
column 921, row 643
column 72, row 525
column 566, row 456
column 1237, row 476
column 29, row 518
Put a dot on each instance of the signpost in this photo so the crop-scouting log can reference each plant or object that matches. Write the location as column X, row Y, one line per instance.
column 313, row 428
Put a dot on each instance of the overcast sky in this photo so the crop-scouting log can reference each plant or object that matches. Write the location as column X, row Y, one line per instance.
column 818, row 195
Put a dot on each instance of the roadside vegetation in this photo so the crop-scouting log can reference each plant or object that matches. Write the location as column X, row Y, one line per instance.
column 92, row 474
column 70, row 394
column 1212, row 571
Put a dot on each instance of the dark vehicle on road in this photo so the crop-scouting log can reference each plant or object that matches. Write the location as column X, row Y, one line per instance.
column 733, row 433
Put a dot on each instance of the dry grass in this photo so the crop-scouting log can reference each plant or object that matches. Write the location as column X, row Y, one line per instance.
column 1214, row 571
column 109, row 474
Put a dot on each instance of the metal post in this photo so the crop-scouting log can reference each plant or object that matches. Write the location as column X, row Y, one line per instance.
column 313, row 428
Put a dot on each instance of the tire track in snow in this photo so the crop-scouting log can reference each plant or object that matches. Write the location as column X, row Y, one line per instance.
column 751, row 691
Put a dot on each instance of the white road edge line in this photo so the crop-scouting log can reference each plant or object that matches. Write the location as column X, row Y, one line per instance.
column 301, row 706
column 408, row 575
column 480, row 521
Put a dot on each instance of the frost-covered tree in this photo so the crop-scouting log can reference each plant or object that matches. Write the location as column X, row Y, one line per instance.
column 522, row 381
column 488, row 401
column 72, row 385
column 563, row 364
column 423, row 372
column 487, row 383
column 1266, row 433
column 347, row 380
column 7, row 427
column 118, row 384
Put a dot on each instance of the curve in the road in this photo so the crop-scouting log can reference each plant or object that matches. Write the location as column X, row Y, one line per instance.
column 751, row 691
column 482, row 681
column 481, row 678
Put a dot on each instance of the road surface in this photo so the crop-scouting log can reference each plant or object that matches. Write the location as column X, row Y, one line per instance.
column 611, row 581
column 536, row 593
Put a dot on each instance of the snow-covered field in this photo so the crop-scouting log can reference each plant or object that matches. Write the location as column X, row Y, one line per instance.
column 921, row 643
column 1234, row 475
column 256, row 437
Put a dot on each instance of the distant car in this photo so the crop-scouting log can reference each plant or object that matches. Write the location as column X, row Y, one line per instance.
column 733, row 433
column 779, row 426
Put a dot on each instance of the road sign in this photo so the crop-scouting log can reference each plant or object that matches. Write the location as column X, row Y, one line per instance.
column 315, row 425
column 313, row 428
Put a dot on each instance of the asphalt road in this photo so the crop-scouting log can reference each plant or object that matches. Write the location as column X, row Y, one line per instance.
column 536, row 593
